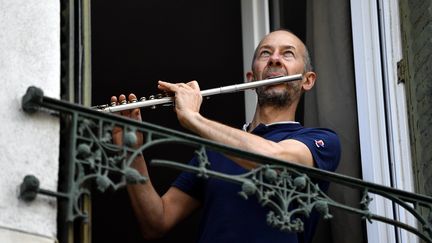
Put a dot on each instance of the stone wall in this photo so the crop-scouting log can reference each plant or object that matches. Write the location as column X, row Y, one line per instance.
column 29, row 144
column 416, row 20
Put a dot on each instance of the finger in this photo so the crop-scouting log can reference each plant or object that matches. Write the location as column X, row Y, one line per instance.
column 194, row 85
column 122, row 99
column 113, row 100
column 117, row 129
column 117, row 135
column 135, row 113
column 132, row 98
column 169, row 87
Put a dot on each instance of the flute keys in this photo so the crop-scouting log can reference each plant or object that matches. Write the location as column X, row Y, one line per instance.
column 152, row 97
column 100, row 107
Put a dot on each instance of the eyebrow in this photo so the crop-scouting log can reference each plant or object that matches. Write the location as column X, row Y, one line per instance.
column 283, row 47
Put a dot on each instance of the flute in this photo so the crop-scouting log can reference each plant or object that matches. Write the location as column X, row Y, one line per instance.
column 152, row 102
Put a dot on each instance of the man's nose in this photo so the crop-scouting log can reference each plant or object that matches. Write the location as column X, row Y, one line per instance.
column 274, row 59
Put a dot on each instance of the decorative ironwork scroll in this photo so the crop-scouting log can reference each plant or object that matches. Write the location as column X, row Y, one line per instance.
column 286, row 189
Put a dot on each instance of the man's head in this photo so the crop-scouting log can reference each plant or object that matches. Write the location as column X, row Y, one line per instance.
column 281, row 53
column 306, row 56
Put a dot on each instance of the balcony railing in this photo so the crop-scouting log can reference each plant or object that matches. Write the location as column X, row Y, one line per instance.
column 275, row 183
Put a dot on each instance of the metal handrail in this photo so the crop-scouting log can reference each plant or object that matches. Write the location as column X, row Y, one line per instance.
column 96, row 158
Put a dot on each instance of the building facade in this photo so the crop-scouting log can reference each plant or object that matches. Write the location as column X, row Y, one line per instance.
column 375, row 92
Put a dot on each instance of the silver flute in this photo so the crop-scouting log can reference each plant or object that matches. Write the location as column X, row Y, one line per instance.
column 152, row 102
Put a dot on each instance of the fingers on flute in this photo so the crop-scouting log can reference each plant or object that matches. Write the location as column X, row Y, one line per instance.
column 116, row 101
column 135, row 113
column 122, row 100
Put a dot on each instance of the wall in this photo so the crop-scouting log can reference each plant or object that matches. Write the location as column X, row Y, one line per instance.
column 29, row 144
column 416, row 17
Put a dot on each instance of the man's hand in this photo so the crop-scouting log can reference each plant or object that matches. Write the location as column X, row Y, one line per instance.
column 156, row 215
column 117, row 132
column 187, row 99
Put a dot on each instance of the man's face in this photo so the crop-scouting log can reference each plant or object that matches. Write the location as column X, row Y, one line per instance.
column 279, row 54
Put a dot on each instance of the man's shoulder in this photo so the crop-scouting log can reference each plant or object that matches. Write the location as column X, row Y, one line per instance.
column 318, row 130
column 318, row 136
column 282, row 131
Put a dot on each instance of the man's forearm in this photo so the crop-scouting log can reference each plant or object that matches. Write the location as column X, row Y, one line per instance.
column 288, row 150
column 147, row 203
column 230, row 136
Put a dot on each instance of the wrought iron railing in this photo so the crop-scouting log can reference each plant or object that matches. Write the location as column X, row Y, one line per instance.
column 276, row 184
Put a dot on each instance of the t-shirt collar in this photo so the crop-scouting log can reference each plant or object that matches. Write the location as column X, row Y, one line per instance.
column 246, row 125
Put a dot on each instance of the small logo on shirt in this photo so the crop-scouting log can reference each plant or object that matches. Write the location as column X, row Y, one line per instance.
column 319, row 143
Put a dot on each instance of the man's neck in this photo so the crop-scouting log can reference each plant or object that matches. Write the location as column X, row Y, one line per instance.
column 271, row 114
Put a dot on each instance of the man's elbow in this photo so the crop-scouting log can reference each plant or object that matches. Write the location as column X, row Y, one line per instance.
column 153, row 231
column 152, row 234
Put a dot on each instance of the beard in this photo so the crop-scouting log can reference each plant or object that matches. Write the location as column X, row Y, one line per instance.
column 279, row 98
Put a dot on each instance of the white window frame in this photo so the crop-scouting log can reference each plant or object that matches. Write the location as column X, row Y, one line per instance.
column 383, row 126
column 255, row 25
column 400, row 151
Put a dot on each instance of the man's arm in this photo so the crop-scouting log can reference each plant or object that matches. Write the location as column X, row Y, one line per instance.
column 156, row 214
column 187, row 104
column 288, row 150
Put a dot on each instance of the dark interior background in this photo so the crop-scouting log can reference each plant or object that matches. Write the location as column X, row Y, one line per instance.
column 137, row 43
column 290, row 15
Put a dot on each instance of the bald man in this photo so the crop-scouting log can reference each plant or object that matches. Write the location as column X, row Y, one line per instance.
column 273, row 132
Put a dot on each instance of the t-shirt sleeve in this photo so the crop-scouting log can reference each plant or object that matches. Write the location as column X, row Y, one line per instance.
column 325, row 147
column 190, row 183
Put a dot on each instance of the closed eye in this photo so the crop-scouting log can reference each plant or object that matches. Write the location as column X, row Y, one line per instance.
column 288, row 54
column 265, row 53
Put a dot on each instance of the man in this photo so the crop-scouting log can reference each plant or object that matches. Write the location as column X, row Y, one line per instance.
column 273, row 132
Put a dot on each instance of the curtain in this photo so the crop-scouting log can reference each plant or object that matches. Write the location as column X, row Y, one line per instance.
column 332, row 104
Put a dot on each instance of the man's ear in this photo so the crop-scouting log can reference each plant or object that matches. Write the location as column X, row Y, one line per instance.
column 308, row 80
column 249, row 76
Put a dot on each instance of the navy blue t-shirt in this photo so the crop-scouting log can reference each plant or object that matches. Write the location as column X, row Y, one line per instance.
column 229, row 218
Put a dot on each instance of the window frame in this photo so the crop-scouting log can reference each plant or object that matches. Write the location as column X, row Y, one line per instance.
column 255, row 25
column 382, row 111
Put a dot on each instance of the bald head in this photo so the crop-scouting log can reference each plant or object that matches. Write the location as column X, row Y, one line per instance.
column 290, row 37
